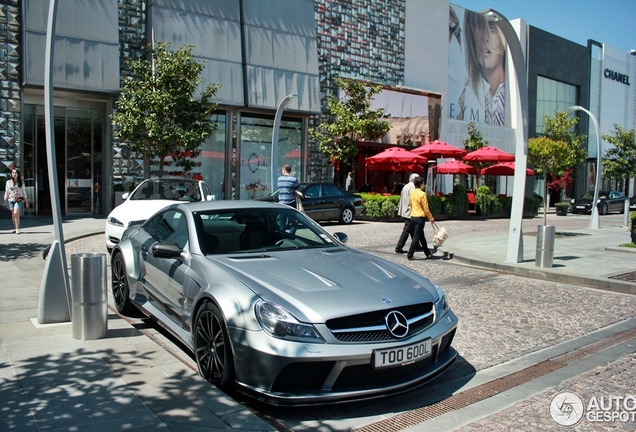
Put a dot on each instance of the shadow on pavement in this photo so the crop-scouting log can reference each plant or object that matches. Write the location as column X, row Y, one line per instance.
column 14, row 251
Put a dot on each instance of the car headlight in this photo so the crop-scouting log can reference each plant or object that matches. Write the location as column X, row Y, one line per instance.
column 279, row 323
column 114, row 221
column 441, row 305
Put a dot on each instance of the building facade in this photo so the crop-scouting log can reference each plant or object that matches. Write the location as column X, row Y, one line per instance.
column 262, row 51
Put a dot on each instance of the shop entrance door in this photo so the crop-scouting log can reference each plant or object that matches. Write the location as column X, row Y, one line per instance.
column 83, row 161
column 78, row 147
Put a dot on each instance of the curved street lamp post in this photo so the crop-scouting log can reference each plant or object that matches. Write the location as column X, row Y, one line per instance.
column 595, row 221
column 515, row 238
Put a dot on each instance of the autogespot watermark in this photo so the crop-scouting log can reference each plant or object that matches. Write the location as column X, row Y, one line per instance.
column 568, row 409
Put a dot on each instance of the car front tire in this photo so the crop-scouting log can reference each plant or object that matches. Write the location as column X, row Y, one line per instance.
column 212, row 347
column 604, row 209
column 119, row 284
column 346, row 216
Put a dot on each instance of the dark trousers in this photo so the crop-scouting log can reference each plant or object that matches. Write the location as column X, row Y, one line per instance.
column 419, row 239
column 406, row 232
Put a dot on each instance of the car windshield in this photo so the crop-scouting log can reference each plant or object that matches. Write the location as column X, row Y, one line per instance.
column 590, row 194
column 176, row 190
column 251, row 230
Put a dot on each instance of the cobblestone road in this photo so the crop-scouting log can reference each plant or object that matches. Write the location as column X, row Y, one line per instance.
column 502, row 317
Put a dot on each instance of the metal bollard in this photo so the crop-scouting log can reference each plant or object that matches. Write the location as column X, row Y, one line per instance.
column 545, row 246
column 89, row 296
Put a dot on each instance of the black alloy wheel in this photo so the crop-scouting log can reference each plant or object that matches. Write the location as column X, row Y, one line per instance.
column 119, row 284
column 212, row 347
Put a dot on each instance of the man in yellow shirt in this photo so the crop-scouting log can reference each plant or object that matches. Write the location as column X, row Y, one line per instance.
column 419, row 213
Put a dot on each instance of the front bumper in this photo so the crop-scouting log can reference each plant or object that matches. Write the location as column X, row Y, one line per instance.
column 290, row 373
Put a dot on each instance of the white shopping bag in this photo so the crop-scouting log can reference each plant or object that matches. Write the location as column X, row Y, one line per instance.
column 440, row 235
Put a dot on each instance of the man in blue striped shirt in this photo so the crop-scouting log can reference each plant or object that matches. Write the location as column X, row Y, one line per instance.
column 287, row 187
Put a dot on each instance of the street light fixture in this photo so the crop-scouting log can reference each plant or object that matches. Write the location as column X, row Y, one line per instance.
column 515, row 235
column 595, row 221
column 275, row 131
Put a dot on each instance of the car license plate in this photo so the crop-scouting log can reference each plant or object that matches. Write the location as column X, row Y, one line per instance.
column 401, row 356
column 580, row 207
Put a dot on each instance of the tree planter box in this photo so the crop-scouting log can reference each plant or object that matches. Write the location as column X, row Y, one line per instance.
column 561, row 210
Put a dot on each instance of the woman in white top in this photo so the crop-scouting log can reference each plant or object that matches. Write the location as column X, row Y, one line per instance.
column 14, row 196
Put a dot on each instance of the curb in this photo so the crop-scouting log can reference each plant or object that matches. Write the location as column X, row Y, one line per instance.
column 606, row 284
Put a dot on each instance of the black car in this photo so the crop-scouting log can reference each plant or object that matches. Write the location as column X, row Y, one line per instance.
column 608, row 201
column 327, row 201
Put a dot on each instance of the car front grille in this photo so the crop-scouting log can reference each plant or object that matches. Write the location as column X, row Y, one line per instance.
column 371, row 326
column 358, row 377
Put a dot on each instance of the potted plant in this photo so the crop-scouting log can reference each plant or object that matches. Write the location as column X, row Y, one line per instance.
column 562, row 208
column 633, row 231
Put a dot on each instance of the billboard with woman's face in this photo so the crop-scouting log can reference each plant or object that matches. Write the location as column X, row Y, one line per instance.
column 476, row 68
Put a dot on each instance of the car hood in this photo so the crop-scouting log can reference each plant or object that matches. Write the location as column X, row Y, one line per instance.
column 138, row 209
column 318, row 284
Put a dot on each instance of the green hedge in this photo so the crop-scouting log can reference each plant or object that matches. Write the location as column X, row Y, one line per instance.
column 381, row 207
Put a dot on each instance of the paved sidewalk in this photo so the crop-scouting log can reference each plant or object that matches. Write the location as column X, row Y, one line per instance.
column 125, row 381
column 48, row 380
column 582, row 256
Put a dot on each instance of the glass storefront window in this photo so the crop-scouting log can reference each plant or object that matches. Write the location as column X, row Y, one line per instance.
column 255, row 168
column 211, row 162
column 552, row 96
column 209, row 166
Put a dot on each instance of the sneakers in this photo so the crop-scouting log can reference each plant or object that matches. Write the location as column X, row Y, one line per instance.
column 17, row 231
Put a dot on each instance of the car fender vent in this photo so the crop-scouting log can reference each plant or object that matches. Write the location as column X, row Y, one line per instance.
column 250, row 257
column 334, row 250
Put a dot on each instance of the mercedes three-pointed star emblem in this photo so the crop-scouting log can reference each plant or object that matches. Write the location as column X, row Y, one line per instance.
column 397, row 324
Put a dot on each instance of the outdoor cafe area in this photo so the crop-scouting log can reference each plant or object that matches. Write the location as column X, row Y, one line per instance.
column 443, row 165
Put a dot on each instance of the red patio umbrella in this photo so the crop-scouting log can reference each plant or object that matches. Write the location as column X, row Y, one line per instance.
column 439, row 149
column 489, row 154
column 396, row 159
column 503, row 168
column 455, row 167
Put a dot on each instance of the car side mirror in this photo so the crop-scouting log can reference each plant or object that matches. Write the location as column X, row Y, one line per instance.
column 342, row 237
column 125, row 196
column 166, row 250
column 210, row 198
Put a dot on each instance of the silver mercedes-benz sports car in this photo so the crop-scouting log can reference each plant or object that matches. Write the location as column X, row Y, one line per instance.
column 274, row 306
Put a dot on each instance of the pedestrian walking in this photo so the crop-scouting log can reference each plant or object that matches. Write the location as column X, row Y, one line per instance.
column 287, row 187
column 14, row 196
column 404, row 210
column 419, row 214
column 349, row 182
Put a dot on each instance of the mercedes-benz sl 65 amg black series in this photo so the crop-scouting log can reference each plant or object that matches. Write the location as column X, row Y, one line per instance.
column 274, row 306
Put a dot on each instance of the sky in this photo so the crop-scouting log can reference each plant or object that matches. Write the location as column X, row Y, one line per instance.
column 612, row 22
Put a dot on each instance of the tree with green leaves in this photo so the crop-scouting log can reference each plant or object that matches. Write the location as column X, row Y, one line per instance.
column 619, row 161
column 548, row 156
column 562, row 127
column 474, row 141
column 157, row 115
column 352, row 120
